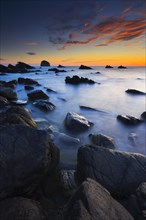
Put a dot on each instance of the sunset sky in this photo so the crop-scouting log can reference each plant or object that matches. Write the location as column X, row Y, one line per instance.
column 73, row 32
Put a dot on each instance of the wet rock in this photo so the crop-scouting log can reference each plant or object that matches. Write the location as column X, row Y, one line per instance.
column 3, row 102
column 108, row 66
column 8, row 93
column 64, row 138
column 27, row 159
column 77, row 122
column 45, row 105
column 143, row 115
column 51, row 90
column 44, row 63
column 12, row 84
column 28, row 87
column 37, row 94
column 60, row 66
column 57, row 70
column 82, row 67
column 27, row 81
column 92, row 201
column 22, row 65
column 87, row 108
column 17, row 115
column 135, row 92
column 3, row 69
column 129, row 120
column 102, row 140
column 119, row 172
column 122, row 67
column 77, row 80
column 20, row 208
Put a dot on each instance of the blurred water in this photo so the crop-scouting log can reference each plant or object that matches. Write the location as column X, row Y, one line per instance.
column 108, row 97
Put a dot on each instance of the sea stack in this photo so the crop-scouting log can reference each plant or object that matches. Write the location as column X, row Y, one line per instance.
column 44, row 63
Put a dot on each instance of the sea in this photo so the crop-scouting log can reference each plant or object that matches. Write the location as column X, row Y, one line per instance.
column 107, row 96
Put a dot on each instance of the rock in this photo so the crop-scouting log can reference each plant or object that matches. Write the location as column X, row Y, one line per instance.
column 27, row 81
column 108, row 66
column 77, row 80
column 17, row 115
column 143, row 115
column 12, row 84
column 37, row 94
column 3, row 102
column 102, row 140
column 44, row 105
column 122, row 67
column 3, row 69
column 20, row 208
column 129, row 120
column 8, row 93
column 28, row 87
column 77, row 122
column 135, row 92
column 21, row 66
column 44, row 63
column 87, row 108
column 51, row 90
column 92, row 201
column 82, row 67
column 60, row 66
column 27, row 159
column 119, row 172
column 57, row 70
column 64, row 138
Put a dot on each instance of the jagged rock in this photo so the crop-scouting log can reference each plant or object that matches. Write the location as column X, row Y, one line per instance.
column 45, row 63
column 37, row 94
column 77, row 80
column 128, row 119
column 92, row 201
column 122, row 67
column 44, row 105
column 20, row 208
column 3, row 102
column 28, row 87
column 108, row 66
column 102, row 140
column 143, row 115
column 21, row 65
column 27, row 81
column 82, row 67
column 8, row 93
column 27, row 159
column 135, row 92
column 17, row 115
column 119, row 172
column 77, row 122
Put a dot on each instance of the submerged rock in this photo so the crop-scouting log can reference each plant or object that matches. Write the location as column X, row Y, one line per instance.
column 102, row 140
column 44, row 105
column 82, row 67
column 129, row 120
column 28, row 159
column 57, row 70
column 20, row 208
column 119, row 172
column 44, row 63
column 88, row 108
column 77, row 80
column 37, row 94
column 92, row 201
column 17, row 115
column 27, row 81
column 28, row 87
column 8, row 93
column 135, row 92
column 77, row 122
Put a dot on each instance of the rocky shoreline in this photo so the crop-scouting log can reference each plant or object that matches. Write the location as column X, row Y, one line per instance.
column 106, row 184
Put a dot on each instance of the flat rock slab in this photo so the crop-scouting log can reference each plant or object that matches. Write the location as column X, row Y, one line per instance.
column 119, row 172
column 37, row 94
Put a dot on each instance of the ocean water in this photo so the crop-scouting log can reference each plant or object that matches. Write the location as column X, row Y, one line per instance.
column 107, row 95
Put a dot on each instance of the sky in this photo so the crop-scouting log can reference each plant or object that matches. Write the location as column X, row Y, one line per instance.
column 73, row 32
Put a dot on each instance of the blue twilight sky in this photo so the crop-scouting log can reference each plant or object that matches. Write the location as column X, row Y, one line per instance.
column 73, row 31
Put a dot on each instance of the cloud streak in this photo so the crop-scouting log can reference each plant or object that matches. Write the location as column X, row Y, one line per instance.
column 31, row 53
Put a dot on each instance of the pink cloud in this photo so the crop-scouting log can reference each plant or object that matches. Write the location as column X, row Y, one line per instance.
column 31, row 53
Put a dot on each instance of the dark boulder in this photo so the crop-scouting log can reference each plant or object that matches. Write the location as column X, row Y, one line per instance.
column 3, row 69
column 108, row 66
column 28, row 87
column 27, row 81
column 82, row 67
column 37, row 94
column 17, row 115
column 102, row 140
column 44, row 63
column 14, row 69
column 119, row 172
column 77, row 80
column 143, row 115
column 44, row 105
column 76, row 122
column 27, row 159
column 21, row 65
column 8, row 93
column 93, row 202
column 57, row 70
column 135, row 92
column 20, row 208
column 3, row 102
column 12, row 84
column 122, row 67
column 129, row 120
